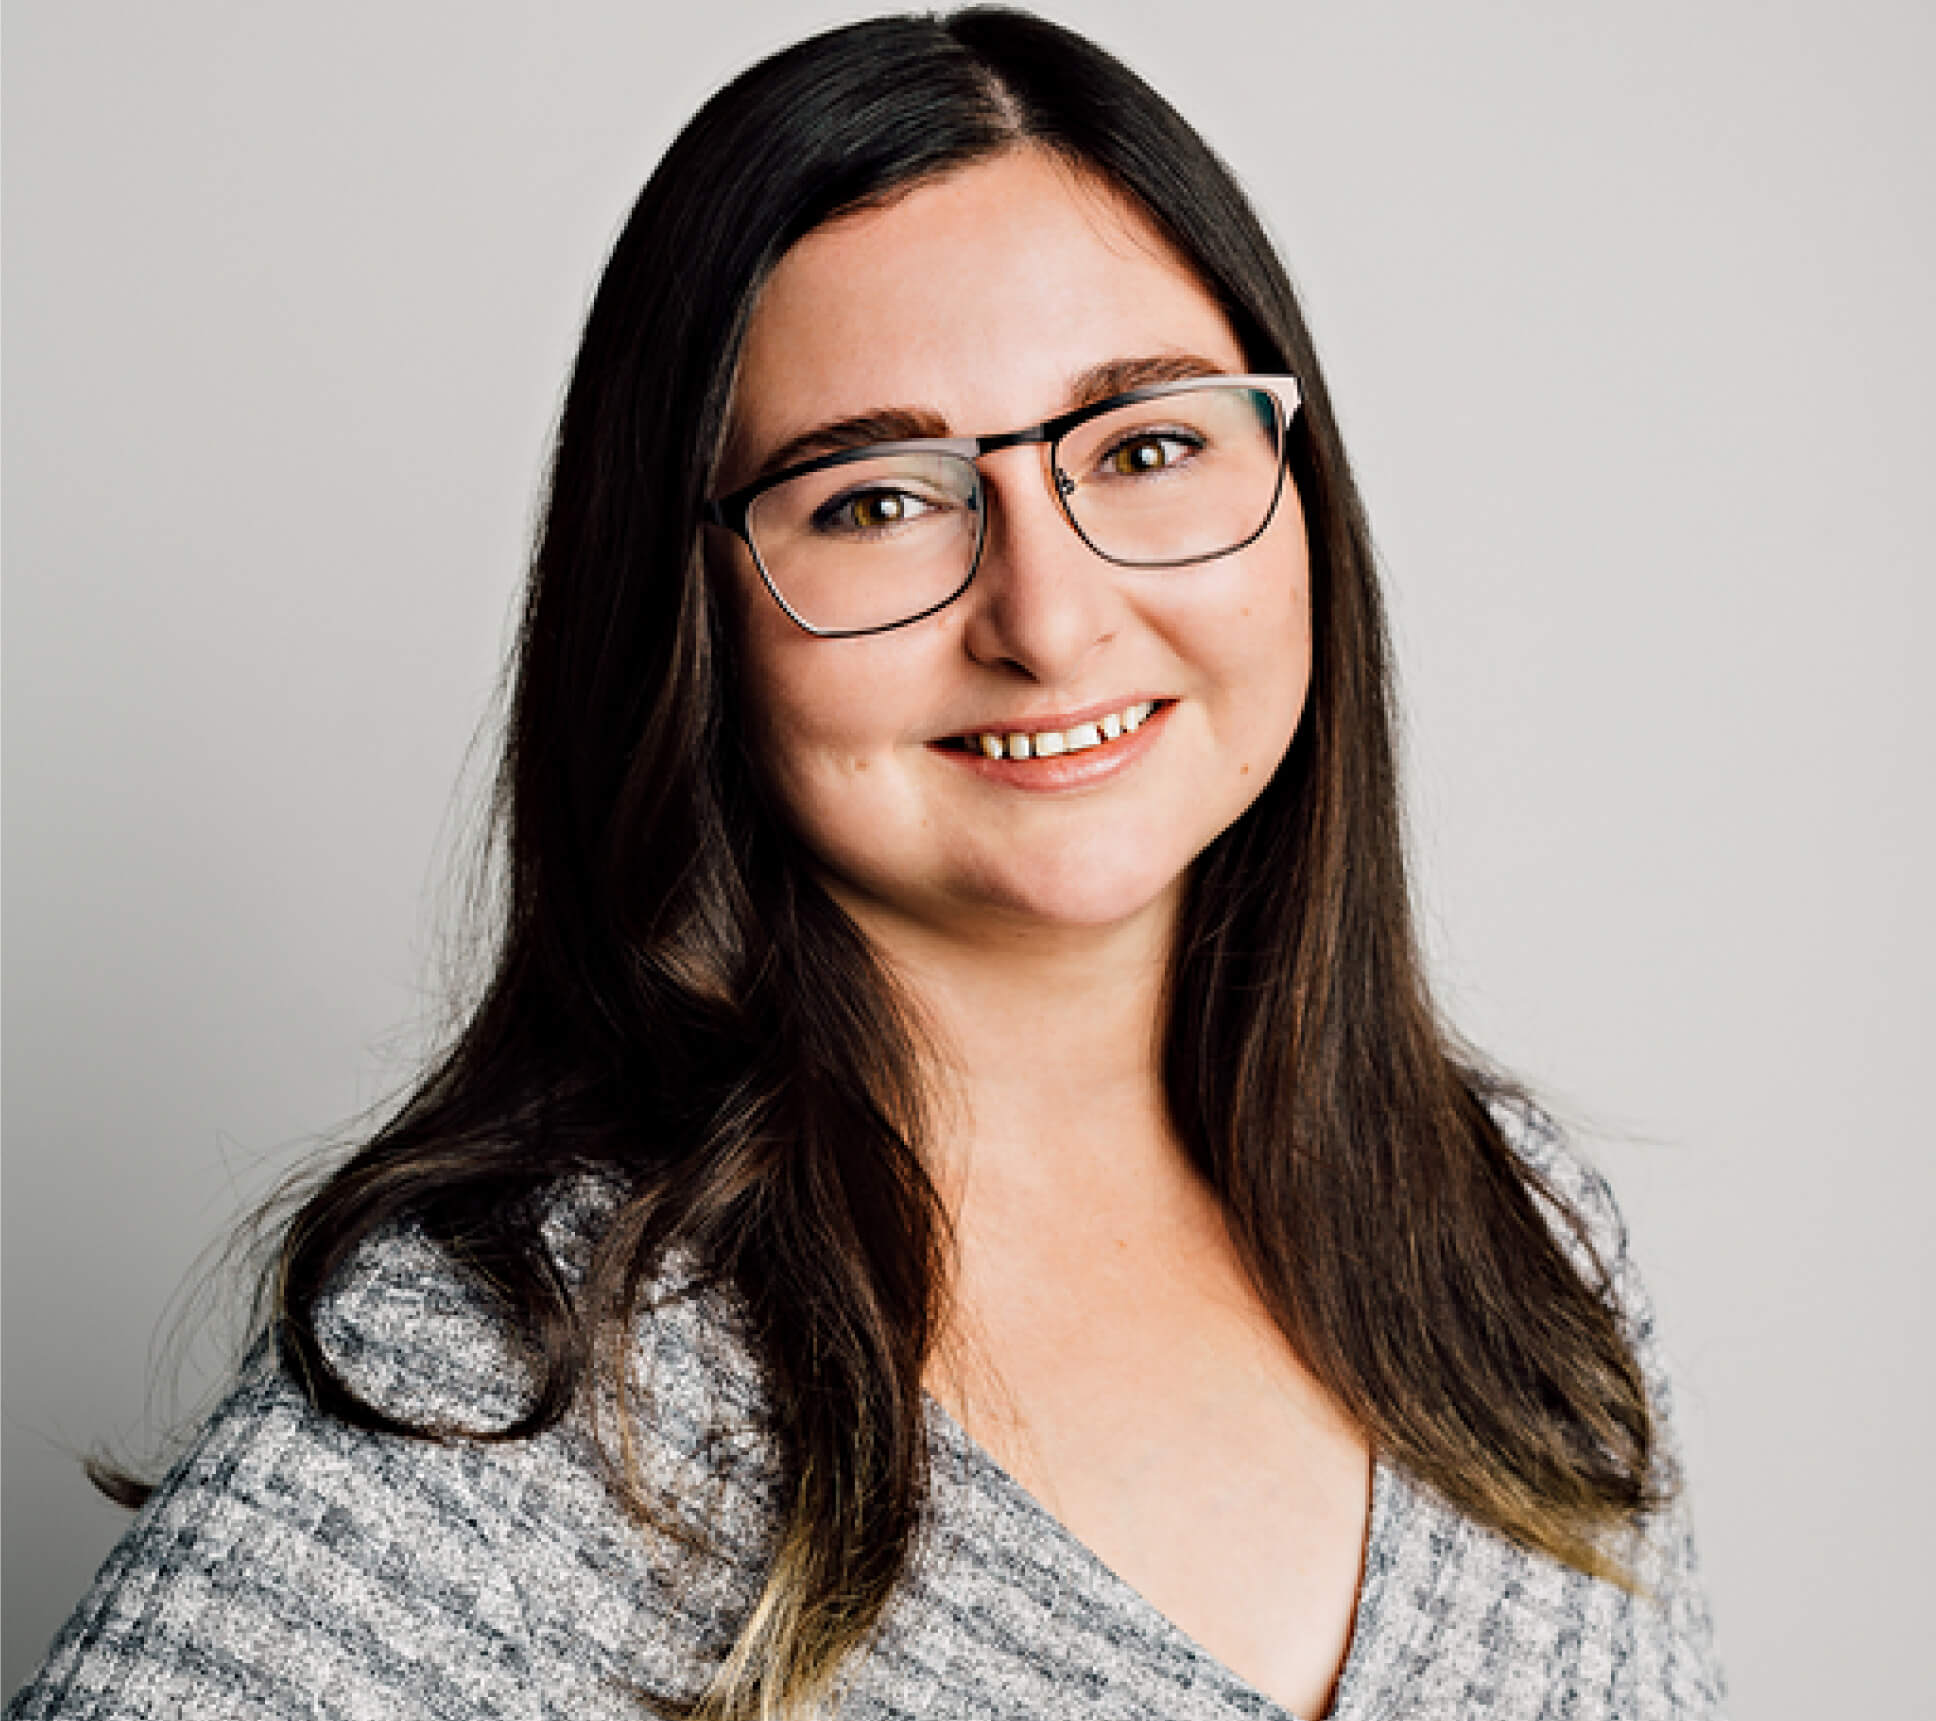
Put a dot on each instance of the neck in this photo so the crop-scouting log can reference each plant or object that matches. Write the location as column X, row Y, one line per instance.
column 1049, row 1137
column 1046, row 1074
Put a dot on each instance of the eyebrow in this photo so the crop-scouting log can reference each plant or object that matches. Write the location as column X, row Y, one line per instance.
column 913, row 423
column 1119, row 376
column 881, row 424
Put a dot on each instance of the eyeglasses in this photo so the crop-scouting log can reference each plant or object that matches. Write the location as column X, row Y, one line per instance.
column 873, row 538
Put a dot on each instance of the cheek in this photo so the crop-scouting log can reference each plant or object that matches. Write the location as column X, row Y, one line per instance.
column 1286, row 670
column 827, row 710
column 808, row 744
column 1267, row 720
column 1255, row 645
column 834, row 724
column 796, row 707
column 1279, row 627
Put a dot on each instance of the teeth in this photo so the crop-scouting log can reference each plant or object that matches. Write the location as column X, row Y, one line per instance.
column 1048, row 743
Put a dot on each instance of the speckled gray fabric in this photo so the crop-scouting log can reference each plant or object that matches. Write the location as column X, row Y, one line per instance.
column 293, row 1567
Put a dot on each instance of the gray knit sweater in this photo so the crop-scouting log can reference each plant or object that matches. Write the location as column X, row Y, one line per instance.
column 293, row 1567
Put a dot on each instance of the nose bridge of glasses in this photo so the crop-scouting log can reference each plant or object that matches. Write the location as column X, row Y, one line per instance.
column 1056, row 483
column 1031, row 437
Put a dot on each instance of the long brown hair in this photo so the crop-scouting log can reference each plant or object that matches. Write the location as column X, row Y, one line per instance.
column 678, row 1007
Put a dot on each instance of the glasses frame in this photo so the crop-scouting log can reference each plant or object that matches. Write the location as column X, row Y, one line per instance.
column 731, row 511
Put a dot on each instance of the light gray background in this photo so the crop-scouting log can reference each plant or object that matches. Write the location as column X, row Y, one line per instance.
column 1628, row 310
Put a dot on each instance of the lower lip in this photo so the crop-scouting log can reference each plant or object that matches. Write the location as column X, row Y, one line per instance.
column 1065, row 770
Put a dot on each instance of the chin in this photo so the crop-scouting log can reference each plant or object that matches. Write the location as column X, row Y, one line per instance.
column 1083, row 898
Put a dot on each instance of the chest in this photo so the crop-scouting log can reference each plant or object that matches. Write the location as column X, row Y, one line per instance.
column 1146, row 1400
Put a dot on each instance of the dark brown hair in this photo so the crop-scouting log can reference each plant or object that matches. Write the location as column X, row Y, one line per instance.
column 679, row 1007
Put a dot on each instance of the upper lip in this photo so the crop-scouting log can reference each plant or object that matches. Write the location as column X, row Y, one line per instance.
column 1056, row 720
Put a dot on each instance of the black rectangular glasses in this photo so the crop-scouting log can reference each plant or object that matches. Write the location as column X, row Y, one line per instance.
column 873, row 538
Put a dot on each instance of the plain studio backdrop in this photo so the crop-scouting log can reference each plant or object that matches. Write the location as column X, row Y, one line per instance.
column 1627, row 310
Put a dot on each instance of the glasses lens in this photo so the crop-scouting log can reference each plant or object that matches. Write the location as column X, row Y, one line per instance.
column 1176, row 479
column 869, row 542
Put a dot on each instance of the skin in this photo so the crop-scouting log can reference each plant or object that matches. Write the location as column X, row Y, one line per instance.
column 1103, row 1341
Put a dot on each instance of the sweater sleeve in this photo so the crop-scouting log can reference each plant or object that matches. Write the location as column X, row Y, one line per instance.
column 290, row 1567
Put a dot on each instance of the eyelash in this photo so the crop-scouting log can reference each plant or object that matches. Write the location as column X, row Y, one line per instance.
column 1188, row 440
column 831, row 514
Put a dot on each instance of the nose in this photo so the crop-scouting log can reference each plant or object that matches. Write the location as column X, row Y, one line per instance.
column 1041, row 601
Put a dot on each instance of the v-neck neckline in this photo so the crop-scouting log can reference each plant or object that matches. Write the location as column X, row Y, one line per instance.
column 1367, row 1610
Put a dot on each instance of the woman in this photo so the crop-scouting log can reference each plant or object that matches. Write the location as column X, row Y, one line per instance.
column 955, row 1200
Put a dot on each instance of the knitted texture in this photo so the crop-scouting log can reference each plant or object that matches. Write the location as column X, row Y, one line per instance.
column 290, row 1566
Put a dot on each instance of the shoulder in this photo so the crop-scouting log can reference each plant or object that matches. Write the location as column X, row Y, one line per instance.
column 1653, row 1647
column 292, row 1564
column 286, row 1556
column 415, row 1337
column 1585, row 1215
column 1573, row 1194
column 419, row 1336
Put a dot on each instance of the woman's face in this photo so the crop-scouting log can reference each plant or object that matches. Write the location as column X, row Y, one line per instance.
column 979, row 303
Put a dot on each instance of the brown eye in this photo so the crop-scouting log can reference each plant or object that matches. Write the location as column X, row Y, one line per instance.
column 1139, row 456
column 864, row 513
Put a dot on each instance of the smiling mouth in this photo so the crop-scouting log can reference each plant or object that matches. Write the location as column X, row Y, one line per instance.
column 1053, row 743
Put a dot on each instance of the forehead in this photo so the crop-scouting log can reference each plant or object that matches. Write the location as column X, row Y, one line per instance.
column 979, row 297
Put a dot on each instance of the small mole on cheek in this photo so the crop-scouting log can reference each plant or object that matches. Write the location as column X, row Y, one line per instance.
column 860, row 764
column 1243, row 770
